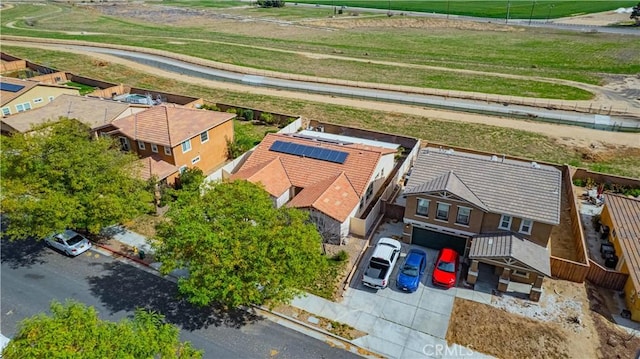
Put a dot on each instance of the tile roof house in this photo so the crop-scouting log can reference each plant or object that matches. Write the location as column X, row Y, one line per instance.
column 170, row 139
column 18, row 95
column 334, row 180
column 622, row 215
column 493, row 209
column 93, row 112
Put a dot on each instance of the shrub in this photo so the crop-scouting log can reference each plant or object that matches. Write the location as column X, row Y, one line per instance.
column 341, row 256
column 267, row 118
column 578, row 182
column 271, row 3
column 248, row 115
column 232, row 110
column 635, row 192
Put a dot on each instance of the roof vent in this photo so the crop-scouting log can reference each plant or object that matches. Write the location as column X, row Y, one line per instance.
column 494, row 158
column 490, row 241
column 450, row 151
column 535, row 165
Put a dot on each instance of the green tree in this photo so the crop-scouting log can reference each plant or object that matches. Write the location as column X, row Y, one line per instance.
column 239, row 249
column 57, row 177
column 74, row 330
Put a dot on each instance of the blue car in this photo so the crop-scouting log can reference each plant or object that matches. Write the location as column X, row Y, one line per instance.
column 410, row 274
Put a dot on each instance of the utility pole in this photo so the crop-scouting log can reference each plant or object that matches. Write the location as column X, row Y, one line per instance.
column 448, row 3
column 506, row 20
column 549, row 13
column 533, row 4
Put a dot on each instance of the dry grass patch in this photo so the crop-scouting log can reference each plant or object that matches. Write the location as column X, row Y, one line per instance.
column 504, row 335
column 340, row 329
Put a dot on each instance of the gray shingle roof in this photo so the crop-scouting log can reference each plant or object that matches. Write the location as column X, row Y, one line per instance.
column 501, row 245
column 451, row 183
column 509, row 187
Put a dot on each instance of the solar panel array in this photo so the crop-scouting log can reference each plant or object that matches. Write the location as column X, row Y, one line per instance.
column 318, row 153
column 10, row 87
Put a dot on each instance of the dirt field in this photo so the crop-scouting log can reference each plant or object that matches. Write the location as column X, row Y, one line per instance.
column 562, row 243
column 571, row 321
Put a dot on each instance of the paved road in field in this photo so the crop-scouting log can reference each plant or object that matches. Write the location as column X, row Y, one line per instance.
column 32, row 275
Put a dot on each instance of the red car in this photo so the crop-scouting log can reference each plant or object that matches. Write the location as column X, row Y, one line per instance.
column 446, row 268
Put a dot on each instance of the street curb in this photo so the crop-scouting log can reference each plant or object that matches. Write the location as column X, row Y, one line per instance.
column 114, row 251
column 346, row 342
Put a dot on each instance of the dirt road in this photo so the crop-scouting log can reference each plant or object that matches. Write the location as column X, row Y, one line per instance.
column 570, row 135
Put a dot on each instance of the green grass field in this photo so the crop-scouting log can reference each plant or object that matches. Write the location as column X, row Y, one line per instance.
column 518, row 9
column 620, row 161
column 531, row 52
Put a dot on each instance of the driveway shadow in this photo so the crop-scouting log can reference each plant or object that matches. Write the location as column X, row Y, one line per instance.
column 22, row 253
column 122, row 287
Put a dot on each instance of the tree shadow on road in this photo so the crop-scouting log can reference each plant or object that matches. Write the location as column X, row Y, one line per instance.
column 22, row 253
column 124, row 288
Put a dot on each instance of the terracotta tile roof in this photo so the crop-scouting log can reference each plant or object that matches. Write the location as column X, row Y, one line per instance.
column 170, row 126
column 625, row 214
column 335, row 197
column 7, row 96
column 508, row 245
column 329, row 187
column 514, row 188
column 155, row 166
column 303, row 172
column 272, row 175
column 91, row 111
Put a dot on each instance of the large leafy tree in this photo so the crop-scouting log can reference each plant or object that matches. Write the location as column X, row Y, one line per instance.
column 57, row 177
column 75, row 331
column 239, row 249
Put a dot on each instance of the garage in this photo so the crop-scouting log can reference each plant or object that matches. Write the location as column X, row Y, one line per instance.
column 438, row 240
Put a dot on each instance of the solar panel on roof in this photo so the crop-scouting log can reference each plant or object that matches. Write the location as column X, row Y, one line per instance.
column 10, row 87
column 314, row 152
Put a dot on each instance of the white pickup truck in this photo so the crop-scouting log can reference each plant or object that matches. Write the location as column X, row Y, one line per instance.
column 381, row 264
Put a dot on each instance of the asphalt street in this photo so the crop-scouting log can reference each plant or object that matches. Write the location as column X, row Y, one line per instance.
column 33, row 275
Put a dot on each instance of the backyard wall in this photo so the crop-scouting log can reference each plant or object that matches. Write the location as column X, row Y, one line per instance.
column 12, row 66
column 605, row 277
column 583, row 174
column 54, row 78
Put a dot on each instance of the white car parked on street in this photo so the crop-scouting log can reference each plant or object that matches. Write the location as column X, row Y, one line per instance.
column 68, row 242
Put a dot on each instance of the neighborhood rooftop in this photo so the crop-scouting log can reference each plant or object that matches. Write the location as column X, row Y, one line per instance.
column 516, row 188
column 91, row 111
column 169, row 126
column 507, row 245
column 625, row 213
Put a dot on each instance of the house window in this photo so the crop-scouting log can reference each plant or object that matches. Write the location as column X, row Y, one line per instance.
column 369, row 191
column 141, row 145
column 505, row 222
column 37, row 100
column 167, row 150
column 51, row 98
column 195, row 160
column 154, row 148
column 6, row 111
column 186, row 146
column 463, row 215
column 520, row 273
column 525, row 226
column 21, row 107
column 443, row 211
column 423, row 207
column 124, row 143
column 361, row 202
column 182, row 169
column 204, row 137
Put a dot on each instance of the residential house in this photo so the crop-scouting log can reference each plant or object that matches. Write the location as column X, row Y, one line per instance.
column 23, row 95
column 169, row 139
column 93, row 112
column 334, row 177
column 622, row 215
column 495, row 210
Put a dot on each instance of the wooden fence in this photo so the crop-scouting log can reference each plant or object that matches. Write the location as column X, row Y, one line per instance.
column 606, row 278
column 568, row 270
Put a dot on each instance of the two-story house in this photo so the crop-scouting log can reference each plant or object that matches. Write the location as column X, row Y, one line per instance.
column 23, row 95
column 334, row 177
column 170, row 139
column 494, row 210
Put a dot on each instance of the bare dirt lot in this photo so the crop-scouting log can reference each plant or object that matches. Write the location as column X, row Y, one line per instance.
column 570, row 321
